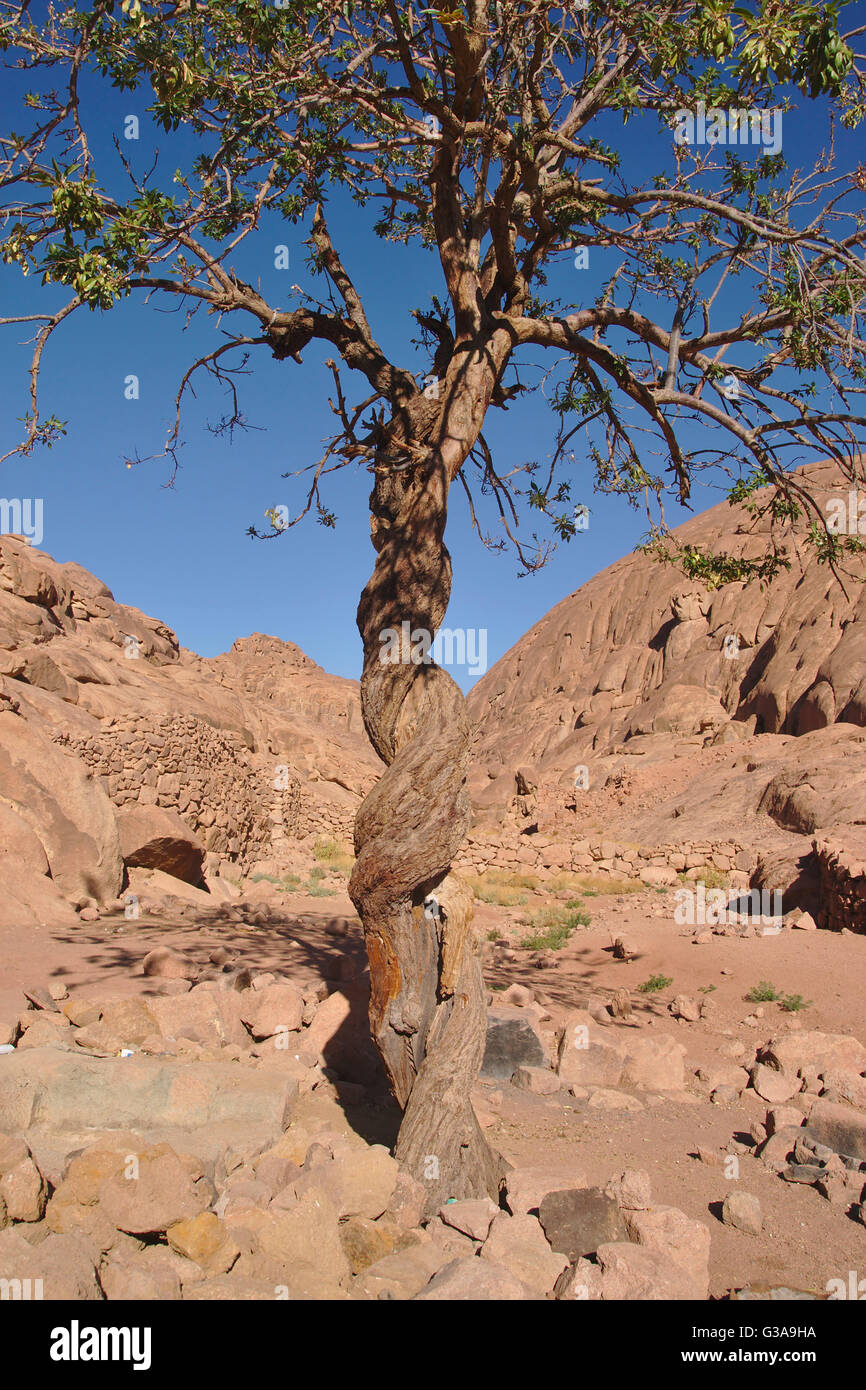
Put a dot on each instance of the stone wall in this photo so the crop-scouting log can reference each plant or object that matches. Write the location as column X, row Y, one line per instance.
column 512, row 851
column 207, row 775
column 242, row 806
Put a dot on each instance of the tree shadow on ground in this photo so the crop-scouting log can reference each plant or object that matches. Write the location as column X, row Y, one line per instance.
column 105, row 962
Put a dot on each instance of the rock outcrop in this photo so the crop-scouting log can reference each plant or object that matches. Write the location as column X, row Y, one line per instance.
column 659, row 716
column 121, row 750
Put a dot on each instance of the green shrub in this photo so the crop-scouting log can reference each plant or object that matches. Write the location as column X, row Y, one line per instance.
column 763, row 993
column 654, row 984
column 551, row 928
column 793, row 1003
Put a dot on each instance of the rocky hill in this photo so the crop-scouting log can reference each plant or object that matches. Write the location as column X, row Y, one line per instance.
column 103, row 712
column 644, row 716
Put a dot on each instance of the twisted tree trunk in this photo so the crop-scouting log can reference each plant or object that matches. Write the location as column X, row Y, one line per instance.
column 427, row 1008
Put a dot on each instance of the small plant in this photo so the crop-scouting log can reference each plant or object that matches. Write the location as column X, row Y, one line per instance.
column 706, row 989
column 713, row 878
column 763, row 993
column 317, row 873
column 598, row 885
column 326, row 850
column 488, row 888
column 552, row 928
column 287, row 882
column 574, row 903
column 529, row 881
column 654, row 984
column 330, row 853
column 710, row 877
column 793, row 1003
column 494, row 935
column 559, row 883
column 315, row 889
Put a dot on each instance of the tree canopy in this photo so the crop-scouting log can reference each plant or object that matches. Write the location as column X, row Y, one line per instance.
column 493, row 134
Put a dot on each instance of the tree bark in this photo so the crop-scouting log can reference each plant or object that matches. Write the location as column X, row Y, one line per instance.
column 427, row 1006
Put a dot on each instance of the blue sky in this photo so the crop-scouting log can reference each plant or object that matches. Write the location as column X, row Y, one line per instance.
column 181, row 553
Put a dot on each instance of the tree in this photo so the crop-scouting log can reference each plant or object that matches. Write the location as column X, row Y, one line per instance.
column 489, row 133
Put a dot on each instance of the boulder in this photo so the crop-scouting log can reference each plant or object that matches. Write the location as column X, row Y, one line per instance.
column 401, row 1275
column 576, row 1223
column 22, row 1189
column 471, row 1216
column 678, row 1238
column 123, row 1023
column 525, row 1188
column 655, row 1063
column 60, row 1268
column 588, row 1054
column 54, row 1091
column 631, row 1190
column 153, row 837
column 275, row 1010
column 540, row 1080
column 205, row 1014
column 837, row 1126
column 793, row 1052
column 742, row 1210
column 163, row 963
column 204, row 1239
column 630, row 1273
column 303, row 1241
column 367, row 1242
column 518, row 1243
column 470, row 1280
column 66, row 809
column 125, row 1279
column 773, row 1086
column 360, row 1180
column 512, row 1042
column 152, row 1190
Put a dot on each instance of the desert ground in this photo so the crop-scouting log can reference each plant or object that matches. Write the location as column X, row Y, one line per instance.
column 679, row 1130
